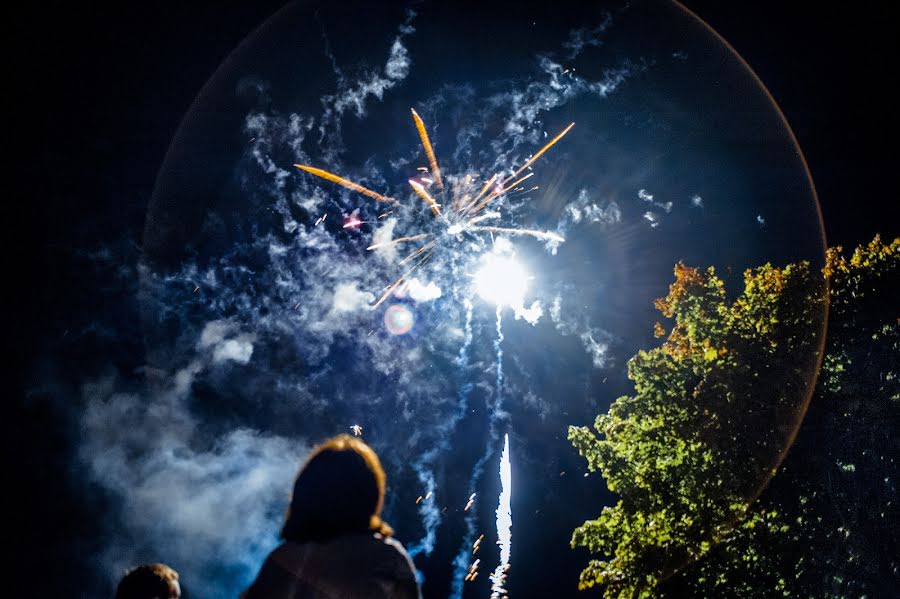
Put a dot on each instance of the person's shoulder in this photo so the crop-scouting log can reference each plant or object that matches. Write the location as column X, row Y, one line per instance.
column 391, row 542
column 396, row 548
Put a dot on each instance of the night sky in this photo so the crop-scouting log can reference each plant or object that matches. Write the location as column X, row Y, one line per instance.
column 102, row 92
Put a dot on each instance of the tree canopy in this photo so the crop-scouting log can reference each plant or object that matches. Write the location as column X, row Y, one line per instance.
column 714, row 409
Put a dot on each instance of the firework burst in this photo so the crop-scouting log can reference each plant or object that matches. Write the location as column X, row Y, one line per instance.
column 457, row 205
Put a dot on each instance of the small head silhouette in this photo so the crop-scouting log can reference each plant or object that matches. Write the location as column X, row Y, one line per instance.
column 150, row 581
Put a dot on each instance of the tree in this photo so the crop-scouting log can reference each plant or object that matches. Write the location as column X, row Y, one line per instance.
column 714, row 408
column 827, row 525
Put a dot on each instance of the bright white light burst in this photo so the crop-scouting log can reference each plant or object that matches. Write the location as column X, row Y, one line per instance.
column 501, row 280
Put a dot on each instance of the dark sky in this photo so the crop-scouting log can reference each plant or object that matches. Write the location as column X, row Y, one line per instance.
column 100, row 91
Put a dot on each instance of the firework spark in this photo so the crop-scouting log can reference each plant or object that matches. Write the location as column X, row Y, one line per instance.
column 341, row 181
column 429, row 151
column 423, row 193
column 538, row 154
column 464, row 204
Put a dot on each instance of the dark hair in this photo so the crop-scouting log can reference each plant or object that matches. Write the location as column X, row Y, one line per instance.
column 339, row 490
column 150, row 581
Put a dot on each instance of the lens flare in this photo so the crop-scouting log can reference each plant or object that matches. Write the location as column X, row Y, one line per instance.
column 398, row 319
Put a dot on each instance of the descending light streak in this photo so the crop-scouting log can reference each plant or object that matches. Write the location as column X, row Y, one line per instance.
column 341, row 181
column 504, row 523
column 423, row 193
column 429, row 151
column 531, row 160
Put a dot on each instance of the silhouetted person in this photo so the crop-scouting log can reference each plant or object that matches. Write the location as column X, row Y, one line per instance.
column 335, row 543
column 150, row 581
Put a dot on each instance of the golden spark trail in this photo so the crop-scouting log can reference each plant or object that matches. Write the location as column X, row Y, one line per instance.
column 402, row 278
column 341, row 181
column 426, row 143
column 531, row 160
column 499, row 193
column 458, row 197
column 417, row 252
column 480, row 193
column 459, row 201
column 398, row 240
column 511, row 185
column 423, row 193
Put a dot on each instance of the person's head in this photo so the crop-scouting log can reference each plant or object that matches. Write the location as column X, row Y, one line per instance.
column 339, row 490
column 150, row 581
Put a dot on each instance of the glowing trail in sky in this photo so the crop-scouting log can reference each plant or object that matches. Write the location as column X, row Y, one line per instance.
column 549, row 145
column 341, row 181
column 429, row 151
column 504, row 523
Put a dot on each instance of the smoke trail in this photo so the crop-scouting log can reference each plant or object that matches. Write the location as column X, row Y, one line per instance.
column 504, row 523
column 428, row 508
column 461, row 562
column 498, row 348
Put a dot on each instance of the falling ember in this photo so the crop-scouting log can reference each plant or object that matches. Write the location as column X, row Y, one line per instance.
column 473, row 571
column 504, row 523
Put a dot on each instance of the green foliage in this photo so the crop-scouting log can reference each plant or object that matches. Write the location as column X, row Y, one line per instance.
column 713, row 408
column 835, row 532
